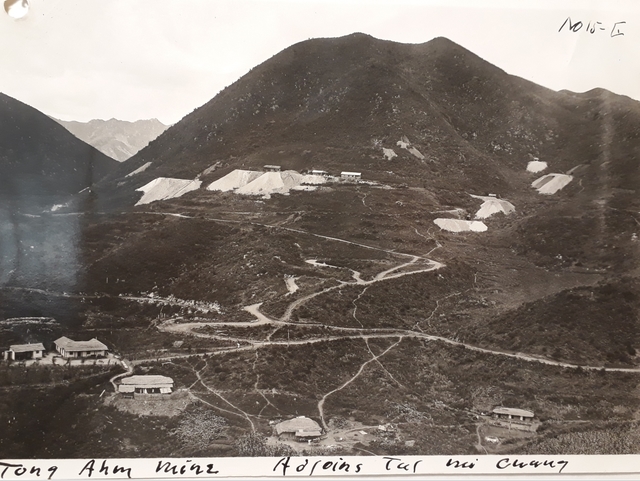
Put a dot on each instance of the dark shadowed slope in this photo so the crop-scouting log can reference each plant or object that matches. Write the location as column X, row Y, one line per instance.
column 41, row 166
column 39, row 158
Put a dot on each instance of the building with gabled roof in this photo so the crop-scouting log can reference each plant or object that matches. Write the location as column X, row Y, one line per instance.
column 137, row 385
column 512, row 413
column 18, row 352
column 514, row 418
column 301, row 428
column 69, row 348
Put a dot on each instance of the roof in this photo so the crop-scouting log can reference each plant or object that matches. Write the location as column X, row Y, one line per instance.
column 309, row 434
column 27, row 347
column 269, row 166
column 350, row 173
column 147, row 381
column 71, row 345
column 301, row 426
column 513, row 412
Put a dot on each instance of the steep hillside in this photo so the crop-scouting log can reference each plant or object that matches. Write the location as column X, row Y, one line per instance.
column 334, row 104
column 118, row 139
column 40, row 158
column 457, row 125
column 41, row 166
column 313, row 299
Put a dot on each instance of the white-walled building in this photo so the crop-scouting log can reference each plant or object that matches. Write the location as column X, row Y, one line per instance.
column 18, row 352
column 69, row 348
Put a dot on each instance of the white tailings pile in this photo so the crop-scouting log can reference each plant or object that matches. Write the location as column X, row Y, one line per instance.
column 456, row 225
column 405, row 144
column 491, row 206
column 290, row 281
column 56, row 207
column 138, row 170
column 281, row 183
column 536, row 166
column 234, row 180
column 551, row 183
column 389, row 153
column 313, row 179
column 267, row 183
column 250, row 182
column 416, row 153
column 164, row 188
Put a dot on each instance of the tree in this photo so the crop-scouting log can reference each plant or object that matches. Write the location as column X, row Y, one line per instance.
column 255, row 445
column 200, row 427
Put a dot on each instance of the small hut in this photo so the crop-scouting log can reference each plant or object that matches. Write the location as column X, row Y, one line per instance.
column 19, row 352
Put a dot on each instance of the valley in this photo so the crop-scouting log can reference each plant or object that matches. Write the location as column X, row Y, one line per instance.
column 381, row 251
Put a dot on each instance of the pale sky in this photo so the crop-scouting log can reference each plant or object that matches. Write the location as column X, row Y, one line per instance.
column 137, row 59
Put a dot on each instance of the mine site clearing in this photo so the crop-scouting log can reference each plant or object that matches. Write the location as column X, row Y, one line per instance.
column 436, row 282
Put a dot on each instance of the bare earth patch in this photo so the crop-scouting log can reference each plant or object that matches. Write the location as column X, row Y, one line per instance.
column 169, row 405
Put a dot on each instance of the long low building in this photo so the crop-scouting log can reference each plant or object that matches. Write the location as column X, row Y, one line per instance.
column 351, row 175
column 300, row 428
column 145, row 384
column 512, row 414
column 69, row 348
column 18, row 352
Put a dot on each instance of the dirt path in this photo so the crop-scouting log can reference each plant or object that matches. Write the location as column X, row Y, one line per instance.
column 239, row 412
column 253, row 344
column 261, row 319
column 479, row 446
column 129, row 370
column 324, row 398
column 355, row 306
column 382, row 276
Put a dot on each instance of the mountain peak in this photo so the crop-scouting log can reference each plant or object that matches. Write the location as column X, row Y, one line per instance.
column 119, row 139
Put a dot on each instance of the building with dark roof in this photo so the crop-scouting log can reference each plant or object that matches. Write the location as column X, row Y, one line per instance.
column 69, row 348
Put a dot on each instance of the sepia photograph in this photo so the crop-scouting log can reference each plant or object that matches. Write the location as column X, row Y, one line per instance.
column 341, row 229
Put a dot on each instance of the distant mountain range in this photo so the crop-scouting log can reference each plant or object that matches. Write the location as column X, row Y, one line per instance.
column 118, row 139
